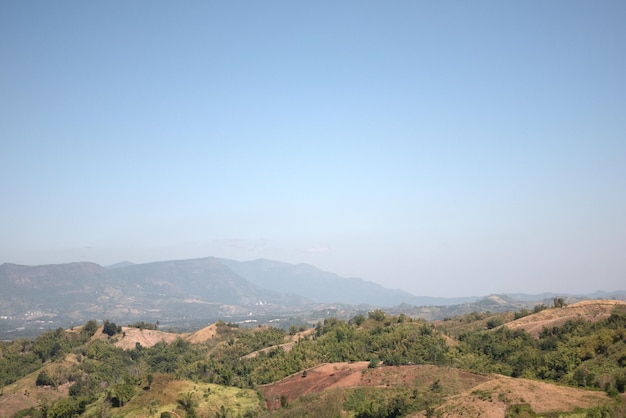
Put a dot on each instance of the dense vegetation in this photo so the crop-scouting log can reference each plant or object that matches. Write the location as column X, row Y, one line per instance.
column 20, row 357
column 579, row 353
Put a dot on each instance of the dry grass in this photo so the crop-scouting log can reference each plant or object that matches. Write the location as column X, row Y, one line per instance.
column 146, row 337
column 470, row 394
column 286, row 347
column 25, row 393
column 492, row 398
column 590, row 310
column 202, row 335
column 166, row 390
column 352, row 375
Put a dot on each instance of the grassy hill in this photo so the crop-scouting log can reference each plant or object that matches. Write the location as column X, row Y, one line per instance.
column 588, row 310
column 444, row 391
column 373, row 365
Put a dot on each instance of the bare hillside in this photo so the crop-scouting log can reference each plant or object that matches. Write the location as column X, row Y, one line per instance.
column 590, row 310
column 146, row 337
column 492, row 398
column 357, row 374
column 471, row 394
column 202, row 335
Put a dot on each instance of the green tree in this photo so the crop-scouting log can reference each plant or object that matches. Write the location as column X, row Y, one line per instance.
column 43, row 379
column 121, row 393
column 358, row 320
column 494, row 323
column 188, row 402
column 377, row 315
column 66, row 408
column 110, row 328
column 90, row 328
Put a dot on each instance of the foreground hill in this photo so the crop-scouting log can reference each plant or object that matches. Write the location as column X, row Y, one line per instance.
column 501, row 394
column 465, row 393
column 377, row 365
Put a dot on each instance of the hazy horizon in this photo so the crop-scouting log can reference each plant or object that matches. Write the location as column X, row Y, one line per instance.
column 446, row 149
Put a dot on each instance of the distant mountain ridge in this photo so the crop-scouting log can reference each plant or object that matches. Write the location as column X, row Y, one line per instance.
column 58, row 282
column 203, row 278
column 325, row 287
column 120, row 264
column 206, row 289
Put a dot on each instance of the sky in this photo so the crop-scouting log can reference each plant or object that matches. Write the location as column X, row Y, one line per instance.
column 446, row 148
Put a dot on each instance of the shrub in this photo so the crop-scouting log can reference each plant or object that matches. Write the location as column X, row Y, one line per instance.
column 110, row 328
column 43, row 379
column 377, row 315
column 90, row 328
column 494, row 323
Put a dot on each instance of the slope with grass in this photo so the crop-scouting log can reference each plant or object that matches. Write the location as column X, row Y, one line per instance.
column 176, row 396
column 427, row 391
column 330, row 376
column 493, row 398
column 588, row 310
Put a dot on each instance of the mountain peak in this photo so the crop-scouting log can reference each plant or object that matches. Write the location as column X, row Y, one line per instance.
column 121, row 264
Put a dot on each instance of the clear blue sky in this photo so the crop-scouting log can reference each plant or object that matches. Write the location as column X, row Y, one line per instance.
column 445, row 148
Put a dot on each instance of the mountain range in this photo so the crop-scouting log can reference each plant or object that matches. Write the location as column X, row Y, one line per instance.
column 186, row 291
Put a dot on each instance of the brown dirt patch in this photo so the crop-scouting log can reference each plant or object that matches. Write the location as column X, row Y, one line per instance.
column 492, row 398
column 202, row 335
column 589, row 310
column 25, row 394
column 147, row 338
column 471, row 394
column 10, row 403
column 317, row 379
column 357, row 374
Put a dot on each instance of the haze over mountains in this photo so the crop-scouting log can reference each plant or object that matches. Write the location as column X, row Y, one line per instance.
column 203, row 289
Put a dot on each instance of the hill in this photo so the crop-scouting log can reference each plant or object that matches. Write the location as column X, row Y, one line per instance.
column 588, row 310
column 202, row 335
column 144, row 337
column 61, row 284
column 206, row 279
column 374, row 365
column 500, row 394
column 465, row 393
column 35, row 298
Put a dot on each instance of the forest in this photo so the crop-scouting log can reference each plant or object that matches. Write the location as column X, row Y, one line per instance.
column 101, row 378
